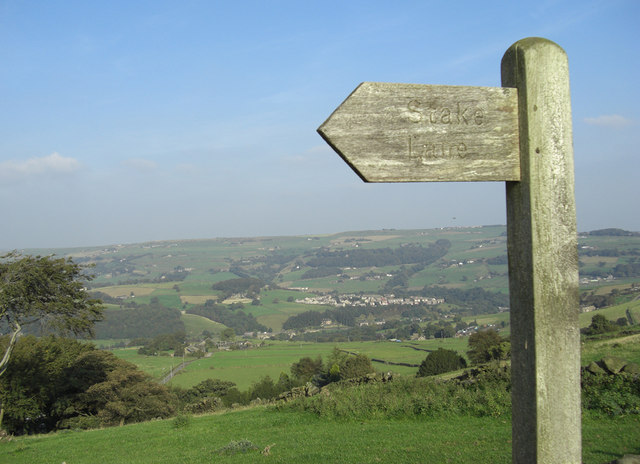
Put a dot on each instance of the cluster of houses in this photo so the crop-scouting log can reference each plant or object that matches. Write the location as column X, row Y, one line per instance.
column 368, row 300
column 595, row 280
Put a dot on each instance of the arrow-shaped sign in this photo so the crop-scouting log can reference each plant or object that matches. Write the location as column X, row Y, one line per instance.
column 427, row 133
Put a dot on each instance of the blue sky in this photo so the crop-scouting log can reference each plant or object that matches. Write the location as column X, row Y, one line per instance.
column 131, row 121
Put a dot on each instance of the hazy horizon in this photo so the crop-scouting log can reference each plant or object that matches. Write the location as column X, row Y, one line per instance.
column 125, row 122
column 250, row 237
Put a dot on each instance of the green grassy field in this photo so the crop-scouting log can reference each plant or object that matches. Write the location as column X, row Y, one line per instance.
column 274, row 309
column 612, row 312
column 156, row 366
column 194, row 325
column 206, row 262
column 244, row 367
column 303, row 438
column 623, row 347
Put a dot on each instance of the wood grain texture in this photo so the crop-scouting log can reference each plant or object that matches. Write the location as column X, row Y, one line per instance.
column 425, row 133
column 543, row 260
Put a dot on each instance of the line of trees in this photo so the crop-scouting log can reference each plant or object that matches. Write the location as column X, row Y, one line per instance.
column 238, row 320
column 378, row 257
column 142, row 321
column 246, row 285
column 470, row 302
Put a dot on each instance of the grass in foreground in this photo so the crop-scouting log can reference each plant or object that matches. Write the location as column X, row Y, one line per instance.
column 304, row 438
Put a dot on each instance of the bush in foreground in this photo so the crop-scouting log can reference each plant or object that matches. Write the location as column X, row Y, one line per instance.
column 486, row 393
column 441, row 361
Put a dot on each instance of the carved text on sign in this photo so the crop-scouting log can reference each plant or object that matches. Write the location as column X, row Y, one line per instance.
column 423, row 152
column 422, row 133
column 457, row 114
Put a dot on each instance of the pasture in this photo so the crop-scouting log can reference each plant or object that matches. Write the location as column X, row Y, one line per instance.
column 613, row 312
column 306, row 439
column 244, row 367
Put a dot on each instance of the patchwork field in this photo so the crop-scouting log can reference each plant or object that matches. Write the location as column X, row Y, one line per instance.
column 247, row 366
column 180, row 274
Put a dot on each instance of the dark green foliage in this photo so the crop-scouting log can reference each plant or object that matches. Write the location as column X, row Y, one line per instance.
column 163, row 342
column 238, row 320
column 213, row 387
column 341, row 365
column 487, row 345
column 599, row 301
column 56, row 383
column 622, row 322
column 227, row 334
column 349, row 335
column 399, row 279
column 264, row 389
column 380, row 257
column 485, row 394
column 41, row 381
column 611, row 394
column 349, row 315
column 321, row 272
column 48, row 291
column 207, row 396
column 626, row 270
column 498, row 260
column 472, row 301
column 484, row 391
column 612, row 232
column 599, row 325
column 127, row 395
column 235, row 447
column 181, row 421
column 440, row 329
column 267, row 389
column 235, row 396
column 145, row 321
column 356, row 366
column 45, row 294
column 305, row 319
column 245, row 285
column 306, row 368
column 441, row 361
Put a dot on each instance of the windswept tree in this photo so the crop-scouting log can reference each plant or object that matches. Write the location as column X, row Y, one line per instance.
column 45, row 291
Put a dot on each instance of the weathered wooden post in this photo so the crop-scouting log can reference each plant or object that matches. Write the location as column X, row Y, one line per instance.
column 543, row 260
column 521, row 134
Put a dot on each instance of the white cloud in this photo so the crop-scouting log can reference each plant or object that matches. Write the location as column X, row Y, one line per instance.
column 140, row 164
column 53, row 163
column 609, row 120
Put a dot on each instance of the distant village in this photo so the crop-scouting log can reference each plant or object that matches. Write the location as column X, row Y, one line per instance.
column 368, row 300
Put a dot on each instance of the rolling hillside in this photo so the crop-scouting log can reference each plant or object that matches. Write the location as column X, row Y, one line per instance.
column 183, row 275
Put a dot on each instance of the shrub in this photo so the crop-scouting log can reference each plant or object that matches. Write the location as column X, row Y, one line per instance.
column 612, row 395
column 487, row 345
column 181, row 421
column 234, row 447
column 484, row 394
column 599, row 325
column 441, row 361
column 306, row 368
column 356, row 366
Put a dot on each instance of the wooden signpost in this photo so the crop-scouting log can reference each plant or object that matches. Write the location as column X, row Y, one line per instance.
column 520, row 134
column 427, row 133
